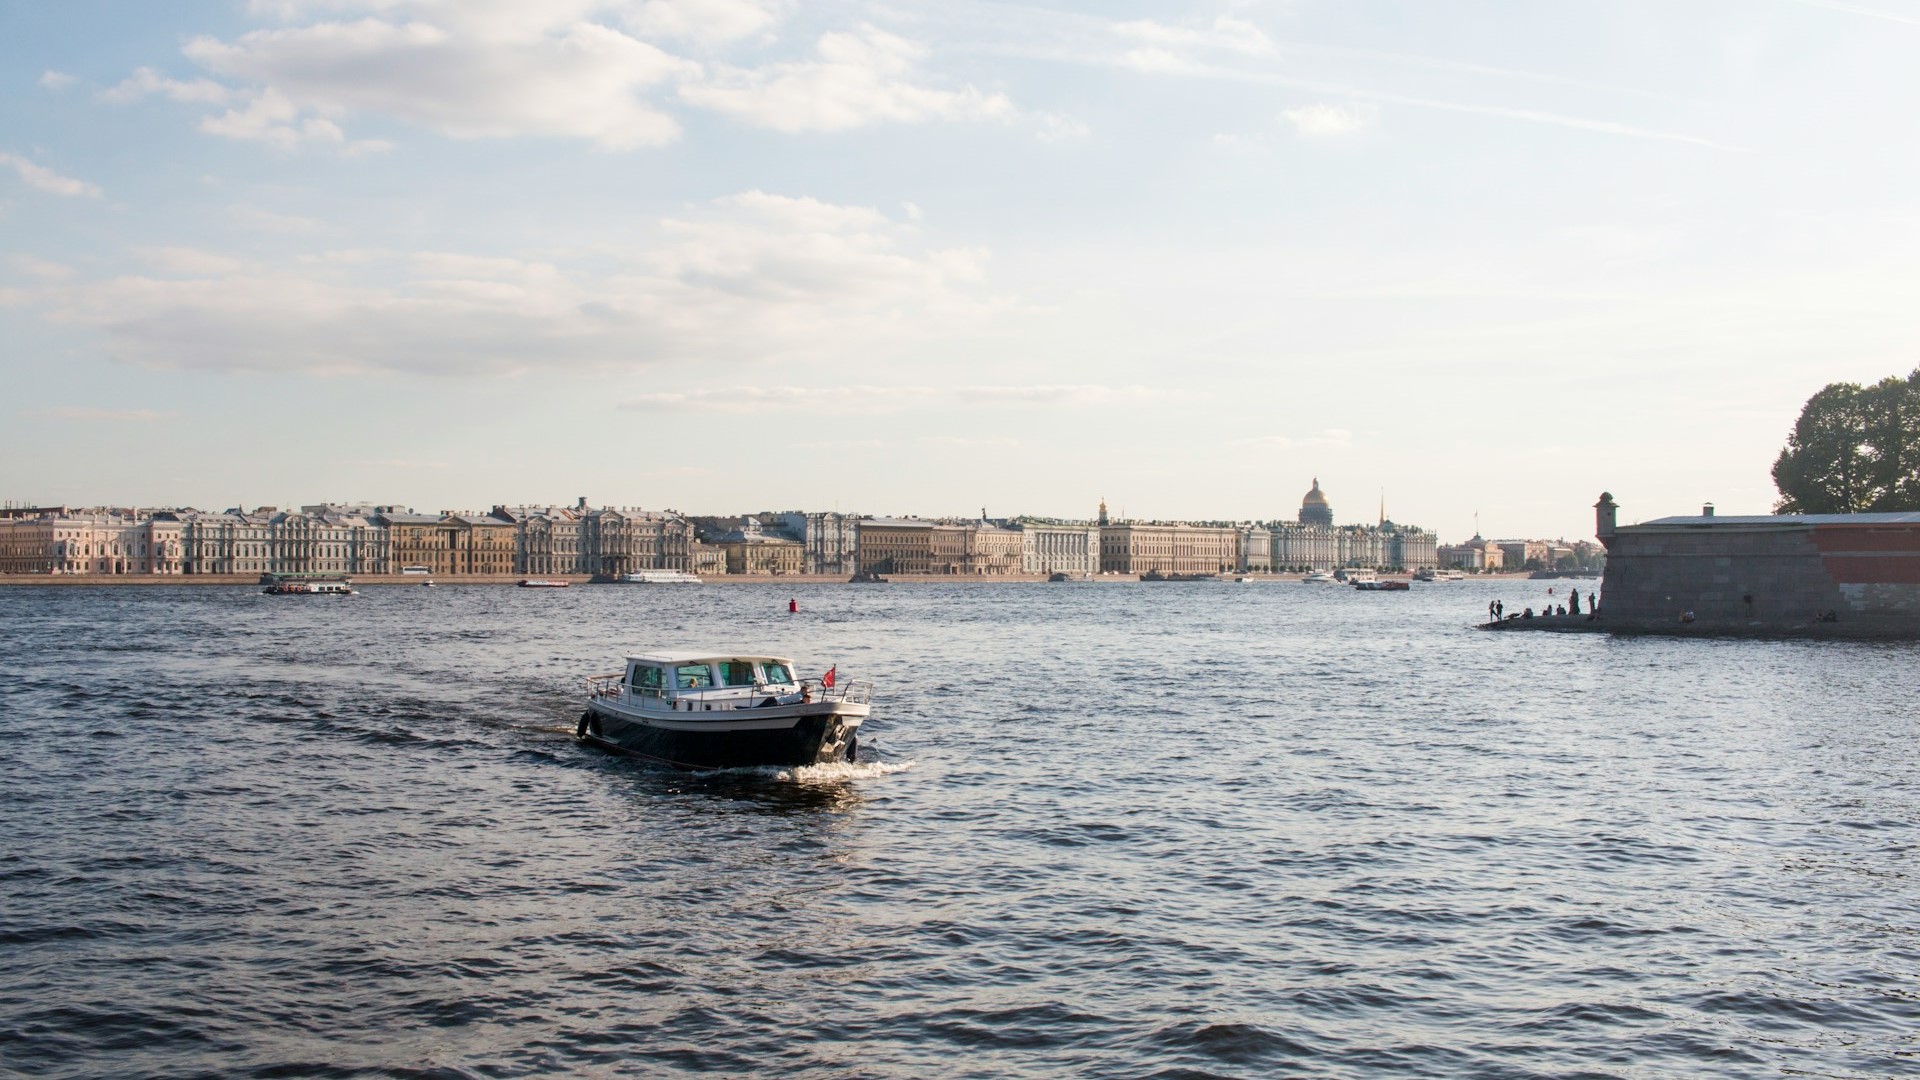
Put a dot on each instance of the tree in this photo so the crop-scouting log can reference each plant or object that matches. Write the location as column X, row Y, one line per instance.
column 1854, row 450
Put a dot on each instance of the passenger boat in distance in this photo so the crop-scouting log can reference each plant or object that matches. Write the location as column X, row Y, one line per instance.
column 1155, row 575
column 1370, row 584
column 723, row 710
column 543, row 583
column 658, row 577
column 309, row 588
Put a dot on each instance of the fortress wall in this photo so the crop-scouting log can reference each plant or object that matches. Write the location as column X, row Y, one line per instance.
column 1765, row 579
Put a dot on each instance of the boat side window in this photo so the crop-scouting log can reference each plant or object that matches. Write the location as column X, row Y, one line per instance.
column 647, row 678
column 693, row 676
column 778, row 673
column 736, row 672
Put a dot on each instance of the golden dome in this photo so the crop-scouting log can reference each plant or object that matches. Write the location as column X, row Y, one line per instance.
column 1314, row 497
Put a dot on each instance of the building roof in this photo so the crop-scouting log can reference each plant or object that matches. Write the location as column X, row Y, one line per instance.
column 1699, row 521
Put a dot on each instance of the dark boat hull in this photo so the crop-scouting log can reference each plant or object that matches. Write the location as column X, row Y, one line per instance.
column 812, row 739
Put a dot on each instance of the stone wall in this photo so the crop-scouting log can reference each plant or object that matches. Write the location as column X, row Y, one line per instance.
column 1764, row 579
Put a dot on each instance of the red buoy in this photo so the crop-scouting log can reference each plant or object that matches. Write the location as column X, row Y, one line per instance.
column 793, row 604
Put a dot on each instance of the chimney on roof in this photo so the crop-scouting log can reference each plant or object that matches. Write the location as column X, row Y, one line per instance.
column 582, row 504
column 1707, row 510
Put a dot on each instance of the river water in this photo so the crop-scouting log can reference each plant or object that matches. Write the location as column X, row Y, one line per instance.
column 1102, row 830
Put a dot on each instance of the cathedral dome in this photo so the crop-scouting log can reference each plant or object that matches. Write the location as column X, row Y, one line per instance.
column 1314, row 509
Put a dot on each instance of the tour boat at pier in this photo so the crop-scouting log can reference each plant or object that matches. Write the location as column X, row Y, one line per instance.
column 658, row 577
column 308, row 588
column 543, row 583
column 723, row 710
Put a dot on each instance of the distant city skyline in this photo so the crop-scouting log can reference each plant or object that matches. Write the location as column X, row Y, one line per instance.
column 1490, row 257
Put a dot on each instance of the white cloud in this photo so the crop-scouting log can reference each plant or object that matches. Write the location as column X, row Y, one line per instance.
column 267, row 221
column 1056, row 127
column 146, row 81
column 1226, row 32
column 40, row 268
column 44, row 179
column 89, row 413
column 867, row 76
column 272, row 118
column 747, row 278
column 706, row 22
column 477, row 79
column 764, row 399
column 188, row 261
column 1324, row 119
column 56, row 80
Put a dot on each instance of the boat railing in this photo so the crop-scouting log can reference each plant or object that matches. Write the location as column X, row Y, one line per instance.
column 851, row 691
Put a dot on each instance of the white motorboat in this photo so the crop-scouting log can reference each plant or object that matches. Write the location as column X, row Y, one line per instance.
column 1318, row 577
column 658, row 577
column 309, row 588
column 544, row 583
column 723, row 710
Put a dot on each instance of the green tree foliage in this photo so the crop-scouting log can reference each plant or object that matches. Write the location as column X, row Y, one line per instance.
column 1855, row 449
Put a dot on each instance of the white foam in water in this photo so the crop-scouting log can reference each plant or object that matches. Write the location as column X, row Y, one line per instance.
column 843, row 770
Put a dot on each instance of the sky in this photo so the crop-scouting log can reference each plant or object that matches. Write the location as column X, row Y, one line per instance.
column 1476, row 260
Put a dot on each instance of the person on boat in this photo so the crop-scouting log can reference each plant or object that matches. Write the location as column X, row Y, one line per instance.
column 1573, row 603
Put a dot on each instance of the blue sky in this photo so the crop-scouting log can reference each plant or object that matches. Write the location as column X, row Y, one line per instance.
column 729, row 255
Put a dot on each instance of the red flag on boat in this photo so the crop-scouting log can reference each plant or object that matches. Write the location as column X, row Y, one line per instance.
column 827, row 679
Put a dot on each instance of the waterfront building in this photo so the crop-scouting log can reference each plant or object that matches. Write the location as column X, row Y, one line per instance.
column 894, row 546
column 1526, row 554
column 990, row 550
column 547, row 540
column 748, row 549
column 1256, row 550
column 764, row 555
column 1058, row 547
column 229, row 542
column 417, row 540
column 1478, row 554
column 829, row 540
column 99, row 541
column 706, row 560
column 621, row 541
column 1131, row 547
column 1315, row 543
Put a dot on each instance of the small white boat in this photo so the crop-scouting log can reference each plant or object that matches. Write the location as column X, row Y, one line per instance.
column 308, row 588
column 543, row 583
column 1318, row 577
column 723, row 710
column 658, row 577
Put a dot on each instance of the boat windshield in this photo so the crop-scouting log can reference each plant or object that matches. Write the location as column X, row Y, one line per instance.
column 736, row 673
column 693, row 676
column 778, row 673
column 646, row 678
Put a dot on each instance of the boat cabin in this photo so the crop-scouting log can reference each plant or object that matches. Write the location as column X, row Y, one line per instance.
column 683, row 681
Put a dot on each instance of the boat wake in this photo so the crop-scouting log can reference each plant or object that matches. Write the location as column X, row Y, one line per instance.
column 834, row 770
